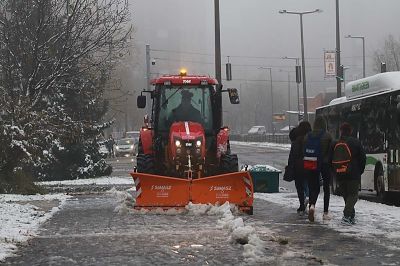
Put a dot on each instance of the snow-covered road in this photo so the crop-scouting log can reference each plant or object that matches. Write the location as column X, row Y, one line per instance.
column 101, row 229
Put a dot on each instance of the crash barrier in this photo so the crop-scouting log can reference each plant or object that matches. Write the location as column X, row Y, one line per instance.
column 274, row 138
column 154, row 191
column 265, row 178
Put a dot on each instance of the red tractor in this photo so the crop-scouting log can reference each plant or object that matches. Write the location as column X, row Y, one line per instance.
column 184, row 146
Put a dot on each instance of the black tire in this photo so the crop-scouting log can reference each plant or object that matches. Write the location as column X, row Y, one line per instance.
column 145, row 163
column 250, row 211
column 140, row 147
column 229, row 163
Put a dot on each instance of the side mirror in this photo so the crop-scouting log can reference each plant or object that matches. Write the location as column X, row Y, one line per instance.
column 233, row 96
column 141, row 101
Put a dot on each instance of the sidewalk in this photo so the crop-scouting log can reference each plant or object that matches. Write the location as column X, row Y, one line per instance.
column 373, row 240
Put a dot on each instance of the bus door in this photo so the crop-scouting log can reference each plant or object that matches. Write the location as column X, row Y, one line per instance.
column 393, row 144
column 355, row 115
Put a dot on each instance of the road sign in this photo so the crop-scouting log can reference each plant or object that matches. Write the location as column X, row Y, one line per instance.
column 330, row 64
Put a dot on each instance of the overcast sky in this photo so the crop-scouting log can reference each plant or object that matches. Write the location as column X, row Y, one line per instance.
column 254, row 34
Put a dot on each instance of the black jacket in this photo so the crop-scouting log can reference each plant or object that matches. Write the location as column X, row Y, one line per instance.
column 358, row 156
column 296, row 157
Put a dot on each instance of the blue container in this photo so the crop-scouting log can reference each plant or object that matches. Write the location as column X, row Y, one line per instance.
column 265, row 178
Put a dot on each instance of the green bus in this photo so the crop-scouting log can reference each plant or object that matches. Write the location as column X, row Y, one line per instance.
column 372, row 106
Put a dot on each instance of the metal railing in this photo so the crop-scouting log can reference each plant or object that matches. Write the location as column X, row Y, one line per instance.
column 282, row 138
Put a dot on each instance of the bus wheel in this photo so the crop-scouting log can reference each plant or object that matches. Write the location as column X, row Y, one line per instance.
column 380, row 185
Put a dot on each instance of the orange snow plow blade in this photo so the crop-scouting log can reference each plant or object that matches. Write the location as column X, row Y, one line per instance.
column 236, row 188
column 154, row 191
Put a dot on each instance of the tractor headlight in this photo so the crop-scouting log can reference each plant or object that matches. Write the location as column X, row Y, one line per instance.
column 178, row 143
column 117, row 148
column 131, row 147
column 198, row 143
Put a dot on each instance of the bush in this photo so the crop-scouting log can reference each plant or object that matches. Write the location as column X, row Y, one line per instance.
column 19, row 182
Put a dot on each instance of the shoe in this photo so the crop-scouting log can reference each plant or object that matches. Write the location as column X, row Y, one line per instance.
column 311, row 212
column 347, row 221
column 301, row 210
column 326, row 216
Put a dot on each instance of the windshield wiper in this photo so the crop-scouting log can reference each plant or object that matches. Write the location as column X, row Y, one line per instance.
column 166, row 101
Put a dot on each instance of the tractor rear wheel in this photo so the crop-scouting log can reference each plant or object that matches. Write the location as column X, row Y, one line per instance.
column 145, row 163
column 229, row 163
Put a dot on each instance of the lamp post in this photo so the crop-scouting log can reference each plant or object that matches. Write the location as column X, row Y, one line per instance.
column 272, row 97
column 288, row 72
column 363, row 47
column 217, row 33
column 302, row 53
column 298, row 89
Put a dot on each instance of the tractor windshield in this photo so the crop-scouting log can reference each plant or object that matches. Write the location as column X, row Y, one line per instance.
column 185, row 103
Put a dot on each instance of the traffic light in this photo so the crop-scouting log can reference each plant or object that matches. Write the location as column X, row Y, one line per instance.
column 383, row 67
column 298, row 74
column 228, row 71
column 340, row 73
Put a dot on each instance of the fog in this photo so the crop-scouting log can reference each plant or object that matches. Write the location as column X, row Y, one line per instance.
column 254, row 34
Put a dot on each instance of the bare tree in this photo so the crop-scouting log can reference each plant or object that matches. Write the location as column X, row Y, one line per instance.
column 389, row 54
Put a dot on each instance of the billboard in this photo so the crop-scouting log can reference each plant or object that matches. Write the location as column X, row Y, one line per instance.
column 330, row 64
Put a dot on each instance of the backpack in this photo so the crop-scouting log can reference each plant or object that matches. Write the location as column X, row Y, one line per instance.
column 341, row 158
column 312, row 152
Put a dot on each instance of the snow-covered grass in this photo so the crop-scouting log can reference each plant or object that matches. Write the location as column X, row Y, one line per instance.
column 372, row 219
column 20, row 219
column 285, row 147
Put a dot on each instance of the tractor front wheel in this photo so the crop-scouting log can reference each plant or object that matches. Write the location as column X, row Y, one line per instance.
column 229, row 163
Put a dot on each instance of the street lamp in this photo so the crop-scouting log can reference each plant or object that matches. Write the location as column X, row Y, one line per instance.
column 298, row 90
column 363, row 43
column 272, row 97
column 288, row 72
column 302, row 53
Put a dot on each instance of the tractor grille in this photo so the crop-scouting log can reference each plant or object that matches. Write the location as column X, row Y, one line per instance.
column 188, row 148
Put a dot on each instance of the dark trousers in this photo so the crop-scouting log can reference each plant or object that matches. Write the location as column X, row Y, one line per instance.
column 300, row 187
column 314, row 186
column 349, row 190
column 326, row 177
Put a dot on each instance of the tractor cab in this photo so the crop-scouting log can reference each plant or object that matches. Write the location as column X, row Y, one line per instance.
column 186, row 117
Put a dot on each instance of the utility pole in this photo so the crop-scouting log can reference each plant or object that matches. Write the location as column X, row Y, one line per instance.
column 272, row 96
column 297, row 81
column 218, row 65
column 363, row 48
column 148, row 106
column 288, row 73
column 148, row 66
column 338, row 81
column 303, row 62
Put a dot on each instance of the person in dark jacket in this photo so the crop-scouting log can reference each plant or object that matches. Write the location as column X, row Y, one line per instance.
column 349, row 184
column 313, row 177
column 296, row 161
column 110, row 146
